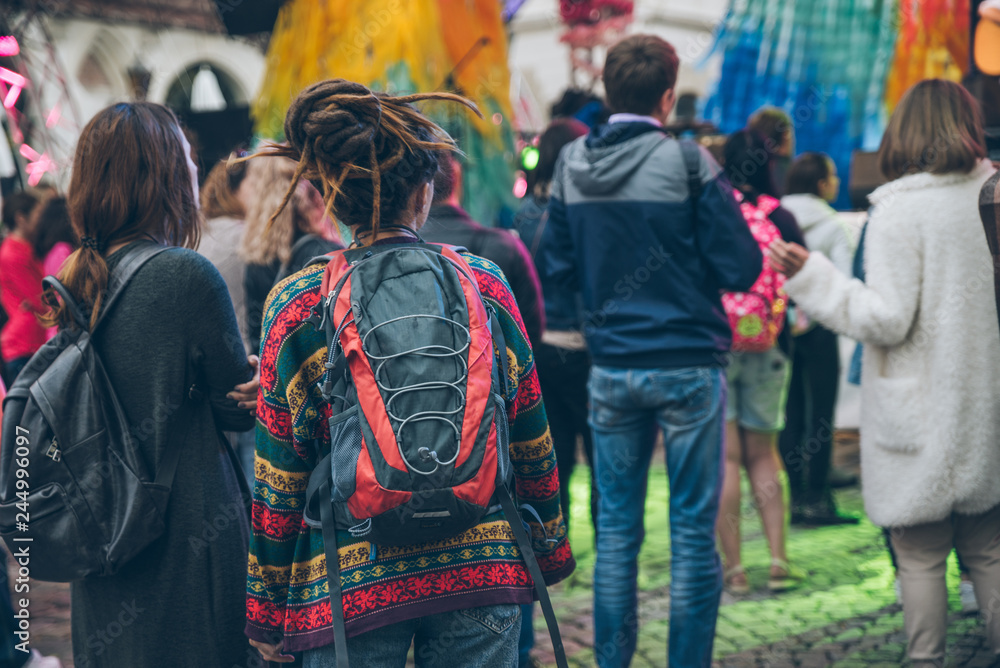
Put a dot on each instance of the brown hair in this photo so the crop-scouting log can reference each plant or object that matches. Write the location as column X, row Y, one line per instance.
column 130, row 179
column 937, row 127
column 366, row 152
column 218, row 193
column 806, row 172
column 272, row 226
column 637, row 72
column 773, row 124
column 560, row 132
column 50, row 225
column 19, row 203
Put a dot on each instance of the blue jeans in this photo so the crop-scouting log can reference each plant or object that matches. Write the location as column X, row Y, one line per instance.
column 483, row 637
column 526, row 641
column 627, row 407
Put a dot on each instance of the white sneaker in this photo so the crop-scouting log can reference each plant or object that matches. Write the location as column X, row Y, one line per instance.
column 899, row 591
column 967, row 594
column 36, row 660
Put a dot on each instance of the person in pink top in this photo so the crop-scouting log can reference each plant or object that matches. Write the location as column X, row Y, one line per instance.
column 52, row 234
column 20, row 287
column 52, row 238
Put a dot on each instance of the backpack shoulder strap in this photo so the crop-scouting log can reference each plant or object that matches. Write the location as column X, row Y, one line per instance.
column 74, row 309
column 989, row 211
column 513, row 518
column 139, row 255
column 692, row 163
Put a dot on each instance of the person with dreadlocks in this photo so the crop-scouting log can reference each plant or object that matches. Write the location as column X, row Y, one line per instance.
column 374, row 157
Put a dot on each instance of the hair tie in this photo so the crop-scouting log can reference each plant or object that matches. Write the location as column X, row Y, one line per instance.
column 89, row 242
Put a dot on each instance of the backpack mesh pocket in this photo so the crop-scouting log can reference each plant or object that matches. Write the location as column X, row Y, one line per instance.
column 345, row 448
column 503, row 439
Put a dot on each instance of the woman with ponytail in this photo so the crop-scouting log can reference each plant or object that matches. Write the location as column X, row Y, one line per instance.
column 374, row 157
column 172, row 351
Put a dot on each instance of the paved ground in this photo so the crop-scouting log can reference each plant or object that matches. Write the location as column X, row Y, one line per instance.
column 845, row 615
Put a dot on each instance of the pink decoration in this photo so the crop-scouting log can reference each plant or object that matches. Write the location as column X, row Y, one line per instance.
column 9, row 46
column 53, row 118
column 17, row 83
column 37, row 165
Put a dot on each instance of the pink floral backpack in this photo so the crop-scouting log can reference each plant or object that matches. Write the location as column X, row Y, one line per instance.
column 757, row 316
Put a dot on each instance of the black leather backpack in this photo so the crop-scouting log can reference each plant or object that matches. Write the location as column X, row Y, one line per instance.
column 74, row 491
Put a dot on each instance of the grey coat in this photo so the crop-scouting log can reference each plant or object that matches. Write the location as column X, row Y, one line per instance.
column 181, row 601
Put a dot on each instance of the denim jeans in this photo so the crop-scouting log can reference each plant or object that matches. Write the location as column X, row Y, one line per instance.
column 627, row 407
column 484, row 637
column 526, row 641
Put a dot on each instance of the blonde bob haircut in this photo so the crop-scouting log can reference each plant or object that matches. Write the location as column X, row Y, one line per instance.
column 937, row 127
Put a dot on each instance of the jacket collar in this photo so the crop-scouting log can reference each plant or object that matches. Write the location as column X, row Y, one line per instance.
column 927, row 180
column 449, row 217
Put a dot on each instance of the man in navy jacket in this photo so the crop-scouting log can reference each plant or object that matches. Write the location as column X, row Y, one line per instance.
column 651, row 262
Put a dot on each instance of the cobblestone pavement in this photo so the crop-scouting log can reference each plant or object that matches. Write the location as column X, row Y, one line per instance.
column 844, row 615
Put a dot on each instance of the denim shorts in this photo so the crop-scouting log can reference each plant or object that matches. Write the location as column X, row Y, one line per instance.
column 758, row 390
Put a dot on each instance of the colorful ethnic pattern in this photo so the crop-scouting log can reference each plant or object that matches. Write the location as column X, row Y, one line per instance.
column 286, row 583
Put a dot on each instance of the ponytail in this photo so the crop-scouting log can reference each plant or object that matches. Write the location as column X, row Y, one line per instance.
column 85, row 275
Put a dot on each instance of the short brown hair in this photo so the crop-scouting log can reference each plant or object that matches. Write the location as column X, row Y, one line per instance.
column 937, row 127
column 637, row 72
column 806, row 173
column 130, row 179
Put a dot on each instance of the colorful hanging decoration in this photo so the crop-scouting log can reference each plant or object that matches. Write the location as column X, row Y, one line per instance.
column 405, row 46
column 822, row 61
column 591, row 24
column 933, row 44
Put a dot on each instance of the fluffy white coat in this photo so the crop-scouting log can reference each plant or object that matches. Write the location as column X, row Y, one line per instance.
column 930, row 417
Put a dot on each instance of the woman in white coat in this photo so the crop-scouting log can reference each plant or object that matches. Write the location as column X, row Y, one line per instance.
column 930, row 424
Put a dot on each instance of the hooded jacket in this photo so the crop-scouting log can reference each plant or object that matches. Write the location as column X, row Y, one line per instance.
column 650, row 263
column 823, row 230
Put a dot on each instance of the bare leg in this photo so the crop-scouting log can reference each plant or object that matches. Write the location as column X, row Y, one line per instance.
column 766, row 473
column 728, row 524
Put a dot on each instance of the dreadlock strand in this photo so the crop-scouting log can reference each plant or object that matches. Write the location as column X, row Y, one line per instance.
column 299, row 169
column 377, row 199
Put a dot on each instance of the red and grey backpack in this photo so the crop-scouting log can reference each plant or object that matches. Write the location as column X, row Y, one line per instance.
column 419, row 442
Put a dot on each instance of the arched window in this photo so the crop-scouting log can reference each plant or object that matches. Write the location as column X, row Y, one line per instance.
column 182, row 90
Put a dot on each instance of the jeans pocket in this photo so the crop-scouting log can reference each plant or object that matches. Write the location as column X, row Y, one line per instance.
column 496, row 618
column 688, row 397
column 601, row 388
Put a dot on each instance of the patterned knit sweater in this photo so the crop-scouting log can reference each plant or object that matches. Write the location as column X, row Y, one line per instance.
column 287, row 595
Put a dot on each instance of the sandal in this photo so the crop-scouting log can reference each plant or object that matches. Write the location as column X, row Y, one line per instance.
column 789, row 579
column 737, row 588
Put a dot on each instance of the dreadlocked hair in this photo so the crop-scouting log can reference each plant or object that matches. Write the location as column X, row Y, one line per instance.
column 367, row 152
